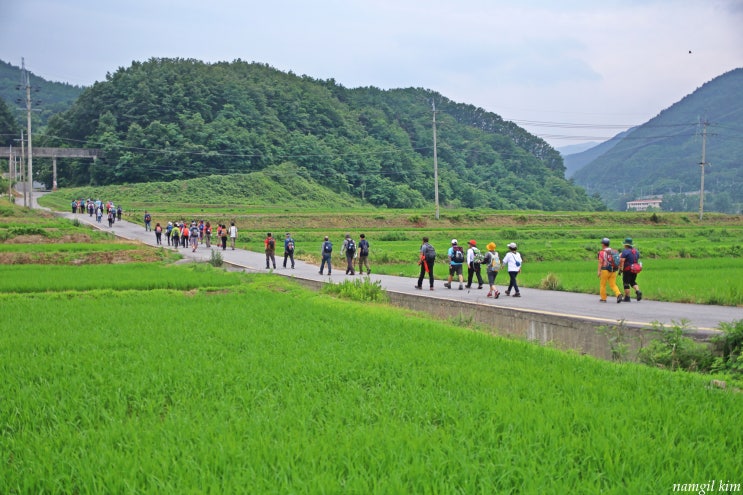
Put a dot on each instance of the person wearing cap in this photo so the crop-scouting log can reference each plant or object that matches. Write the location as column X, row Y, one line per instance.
column 606, row 272
column 513, row 261
column 474, row 259
column 493, row 265
column 627, row 258
column 288, row 249
column 364, row 255
column 270, row 246
column 349, row 250
column 427, row 261
column 456, row 258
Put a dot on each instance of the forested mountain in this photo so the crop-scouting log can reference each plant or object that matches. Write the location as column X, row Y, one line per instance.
column 168, row 119
column 663, row 156
column 48, row 98
column 577, row 161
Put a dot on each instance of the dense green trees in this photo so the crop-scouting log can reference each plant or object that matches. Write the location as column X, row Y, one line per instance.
column 170, row 119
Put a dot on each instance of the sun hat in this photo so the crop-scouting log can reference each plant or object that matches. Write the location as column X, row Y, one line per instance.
column 491, row 246
column 605, row 241
column 453, row 241
column 512, row 245
column 628, row 242
column 473, row 242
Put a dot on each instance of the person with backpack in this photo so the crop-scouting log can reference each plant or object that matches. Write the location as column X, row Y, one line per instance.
column 119, row 211
column 456, row 259
column 607, row 270
column 629, row 267
column 223, row 237
column 175, row 235
column 270, row 245
column 288, row 249
column 147, row 222
column 474, row 261
column 158, row 234
column 493, row 265
column 364, row 255
column 427, row 261
column 326, row 251
column 194, row 237
column 349, row 250
column 513, row 260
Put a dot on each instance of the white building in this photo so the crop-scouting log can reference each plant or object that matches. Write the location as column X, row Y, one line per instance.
column 644, row 204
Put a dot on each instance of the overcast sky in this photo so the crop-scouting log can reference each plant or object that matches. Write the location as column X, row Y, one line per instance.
column 602, row 64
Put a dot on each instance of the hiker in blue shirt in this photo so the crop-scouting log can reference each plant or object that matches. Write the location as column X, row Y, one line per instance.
column 456, row 258
column 288, row 249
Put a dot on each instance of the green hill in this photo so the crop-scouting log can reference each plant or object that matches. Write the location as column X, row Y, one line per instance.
column 48, row 98
column 165, row 120
column 663, row 155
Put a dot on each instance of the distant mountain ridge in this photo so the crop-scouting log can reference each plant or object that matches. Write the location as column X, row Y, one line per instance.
column 171, row 119
column 663, row 155
column 577, row 161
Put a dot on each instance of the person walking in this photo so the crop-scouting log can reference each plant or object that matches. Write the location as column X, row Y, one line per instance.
column 119, row 211
column 168, row 231
column 474, row 261
column 223, row 237
column 175, row 235
column 208, row 234
column 349, row 250
column 427, row 261
column 493, row 265
column 513, row 260
column 629, row 260
column 456, row 257
column 185, row 235
column 364, row 255
column 607, row 271
column 326, row 251
column 288, row 249
column 147, row 222
column 233, row 237
column 158, row 234
column 270, row 246
column 194, row 237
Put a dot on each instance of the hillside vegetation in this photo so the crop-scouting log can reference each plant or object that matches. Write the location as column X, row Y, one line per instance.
column 663, row 155
column 165, row 120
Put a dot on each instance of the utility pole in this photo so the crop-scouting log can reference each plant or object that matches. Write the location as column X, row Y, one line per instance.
column 23, row 169
column 701, row 165
column 435, row 162
column 27, row 81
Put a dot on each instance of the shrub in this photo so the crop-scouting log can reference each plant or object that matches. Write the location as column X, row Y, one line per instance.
column 358, row 290
column 615, row 335
column 729, row 345
column 550, row 282
column 673, row 351
column 216, row 259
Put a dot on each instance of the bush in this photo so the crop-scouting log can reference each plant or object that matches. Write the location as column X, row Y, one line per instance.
column 729, row 345
column 550, row 282
column 673, row 351
column 358, row 290
column 216, row 259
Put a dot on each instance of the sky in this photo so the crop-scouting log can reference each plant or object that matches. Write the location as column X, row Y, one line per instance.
column 569, row 71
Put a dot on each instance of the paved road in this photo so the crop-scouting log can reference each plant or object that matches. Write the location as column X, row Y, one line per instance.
column 701, row 317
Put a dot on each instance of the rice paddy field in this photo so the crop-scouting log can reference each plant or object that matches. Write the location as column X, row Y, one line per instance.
column 230, row 383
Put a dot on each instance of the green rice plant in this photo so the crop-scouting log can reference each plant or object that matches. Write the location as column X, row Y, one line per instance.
column 132, row 276
column 215, row 259
column 269, row 388
column 550, row 282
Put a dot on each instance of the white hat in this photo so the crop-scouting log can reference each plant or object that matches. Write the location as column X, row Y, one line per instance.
column 512, row 245
column 453, row 241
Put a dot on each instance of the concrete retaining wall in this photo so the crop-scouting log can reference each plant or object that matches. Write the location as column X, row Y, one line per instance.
column 568, row 333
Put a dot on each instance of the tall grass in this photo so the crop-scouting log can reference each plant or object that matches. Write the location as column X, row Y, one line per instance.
column 268, row 388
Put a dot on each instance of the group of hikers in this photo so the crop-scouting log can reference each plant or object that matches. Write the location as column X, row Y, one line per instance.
column 98, row 208
column 474, row 259
column 611, row 263
column 179, row 233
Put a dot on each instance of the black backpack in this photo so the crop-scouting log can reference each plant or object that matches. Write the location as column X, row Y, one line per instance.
column 364, row 247
column 350, row 247
column 327, row 247
column 457, row 256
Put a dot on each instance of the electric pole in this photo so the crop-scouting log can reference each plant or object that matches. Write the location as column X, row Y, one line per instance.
column 27, row 82
column 701, row 165
column 435, row 162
